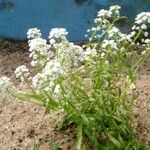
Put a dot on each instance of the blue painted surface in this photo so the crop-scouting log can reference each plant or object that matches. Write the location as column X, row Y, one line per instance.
column 47, row 14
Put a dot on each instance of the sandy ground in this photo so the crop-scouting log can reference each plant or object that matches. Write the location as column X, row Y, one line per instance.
column 23, row 124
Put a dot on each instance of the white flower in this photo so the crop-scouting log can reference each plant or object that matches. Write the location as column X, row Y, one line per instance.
column 39, row 51
column 113, row 32
column 107, row 62
column 39, row 81
column 142, row 22
column 88, row 30
column 76, row 50
column 102, row 55
column 107, row 43
column 52, row 41
column 86, row 35
column 144, row 26
column 22, row 72
column 53, row 69
column 34, row 63
column 115, row 10
column 33, row 33
column 58, row 33
column 57, row 91
column 104, row 16
column 133, row 33
column 44, row 82
column 38, row 44
column 143, row 52
column 103, row 13
column 134, row 27
column 129, row 37
column 93, row 29
column 89, row 54
column 147, row 41
column 5, row 84
column 146, row 34
column 132, row 86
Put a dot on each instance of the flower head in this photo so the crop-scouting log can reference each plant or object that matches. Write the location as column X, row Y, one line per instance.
column 5, row 84
column 57, row 35
column 33, row 33
column 39, row 51
column 22, row 72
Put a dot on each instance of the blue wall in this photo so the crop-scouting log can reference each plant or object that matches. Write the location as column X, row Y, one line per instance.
column 47, row 14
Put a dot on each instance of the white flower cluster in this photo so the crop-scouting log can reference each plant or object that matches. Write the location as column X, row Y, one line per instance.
column 147, row 41
column 33, row 33
column 53, row 69
column 69, row 54
column 113, row 32
column 142, row 23
column 39, row 82
column 104, row 21
column 57, row 35
column 22, row 72
column 105, row 17
column 109, row 44
column 58, row 59
column 142, row 19
column 39, row 51
column 115, row 9
column 5, row 84
column 89, row 54
column 45, row 81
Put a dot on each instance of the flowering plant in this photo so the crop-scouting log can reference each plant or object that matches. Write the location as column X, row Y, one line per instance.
column 94, row 84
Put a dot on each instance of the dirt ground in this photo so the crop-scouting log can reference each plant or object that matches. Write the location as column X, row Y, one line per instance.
column 23, row 125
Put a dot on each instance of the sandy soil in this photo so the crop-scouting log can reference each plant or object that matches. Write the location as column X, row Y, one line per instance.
column 23, row 124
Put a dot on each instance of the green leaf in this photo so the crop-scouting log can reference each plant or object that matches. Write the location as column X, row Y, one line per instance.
column 114, row 141
column 35, row 97
column 85, row 119
column 79, row 136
